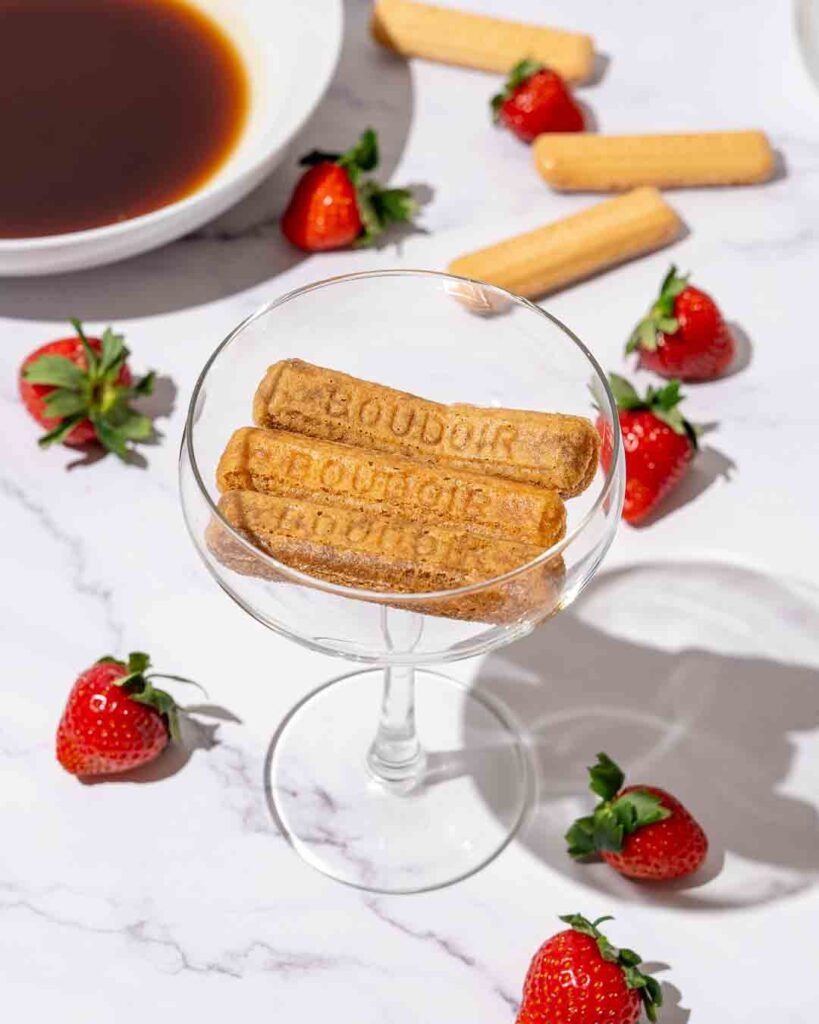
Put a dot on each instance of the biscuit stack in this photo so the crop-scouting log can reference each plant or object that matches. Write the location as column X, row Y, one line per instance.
column 372, row 488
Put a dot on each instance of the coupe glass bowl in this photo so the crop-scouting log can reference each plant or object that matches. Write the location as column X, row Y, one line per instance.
column 398, row 803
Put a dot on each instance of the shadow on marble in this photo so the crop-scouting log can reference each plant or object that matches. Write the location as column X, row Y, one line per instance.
column 244, row 246
column 599, row 69
column 647, row 667
column 195, row 735
column 672, row 1012
column 159, row 405
column 744, row 350
column 708, row 466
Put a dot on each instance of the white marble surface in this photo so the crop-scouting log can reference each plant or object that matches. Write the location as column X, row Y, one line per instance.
column 695, row 656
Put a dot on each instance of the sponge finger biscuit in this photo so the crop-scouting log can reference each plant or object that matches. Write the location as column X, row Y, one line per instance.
column 291, row 465
column 546, row 449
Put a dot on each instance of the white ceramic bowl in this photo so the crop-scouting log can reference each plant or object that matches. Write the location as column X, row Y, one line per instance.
column 290, row 48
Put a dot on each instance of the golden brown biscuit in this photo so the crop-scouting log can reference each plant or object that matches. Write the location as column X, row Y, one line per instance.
column 476, row 41
column 546, row 449
column 386, row 554
column 294, row 466
column 568, row 250
column 608, row 163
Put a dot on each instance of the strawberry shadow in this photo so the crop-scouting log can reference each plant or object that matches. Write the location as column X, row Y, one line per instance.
column 695, row 677
column 744, row 350
column 194, row 736
column 709, row 466
column 672, row 1012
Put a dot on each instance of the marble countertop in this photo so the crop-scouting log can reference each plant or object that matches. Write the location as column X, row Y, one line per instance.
column 695, row 654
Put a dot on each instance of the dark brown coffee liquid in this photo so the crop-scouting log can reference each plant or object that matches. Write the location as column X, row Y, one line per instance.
column 110, row 109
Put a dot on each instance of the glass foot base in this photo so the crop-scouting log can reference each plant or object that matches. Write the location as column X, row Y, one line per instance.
column 468, row 804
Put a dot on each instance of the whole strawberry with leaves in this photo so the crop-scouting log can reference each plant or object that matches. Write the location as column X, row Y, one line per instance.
column 683, row 335
column 333, row 207
column 535, row 100
column 80, row 390
column 659, row 444
column 579, row 977
column 115, row 719
column 642, row 831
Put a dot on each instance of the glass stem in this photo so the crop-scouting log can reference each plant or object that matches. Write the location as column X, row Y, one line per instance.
column 396, row 757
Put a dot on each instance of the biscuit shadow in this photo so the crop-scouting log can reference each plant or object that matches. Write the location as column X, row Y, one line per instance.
column 599, row 69
column 244, row 246
column 675, row 671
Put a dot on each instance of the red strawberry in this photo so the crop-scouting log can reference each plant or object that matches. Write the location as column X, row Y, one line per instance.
column 683, row 334
column 114, row 719
column 534, row 100
column 659, row 444
column 641, row 831
column 332, row 208
column 79, row 389
column 578, row 977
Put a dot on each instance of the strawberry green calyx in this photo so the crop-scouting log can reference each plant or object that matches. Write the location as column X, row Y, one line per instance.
column 94, row 393
column 137, row 684
column 626, row 959
column 661, row 402
column 660, row 318
column 519, row 74
column 615, row 817
column 378, row 207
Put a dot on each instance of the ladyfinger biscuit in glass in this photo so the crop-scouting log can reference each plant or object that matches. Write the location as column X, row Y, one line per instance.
column 294, row 466
column 476, row 41
column 546, row 449
column 607, row 163
column 568, row 250
column 385, row 553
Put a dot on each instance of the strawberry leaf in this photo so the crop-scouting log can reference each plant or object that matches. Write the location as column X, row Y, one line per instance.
column 61, row 431
column 56, row 371
column 580, row 838
column 144, row 386
column 138, row 661
column 380, row 207
column 62, row 402
column 660, row 319
column 605, row 778
column 639, row 808
column 624, row 393
column 110, row 437
column 363, row 156
column 114, row 353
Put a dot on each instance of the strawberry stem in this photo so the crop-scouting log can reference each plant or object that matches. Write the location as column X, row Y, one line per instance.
column 93, row 393
column 614, row 817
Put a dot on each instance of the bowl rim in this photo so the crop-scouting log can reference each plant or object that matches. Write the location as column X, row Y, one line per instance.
column 216, row 184
column 407, row 598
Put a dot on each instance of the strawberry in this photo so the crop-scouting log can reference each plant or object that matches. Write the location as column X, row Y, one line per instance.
column 79, row 388
column 641, row 831
column 578, row 977
column 683, row 334
column 332, row 208
column 115, row 719
column 659, row 444
column 534, row 100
